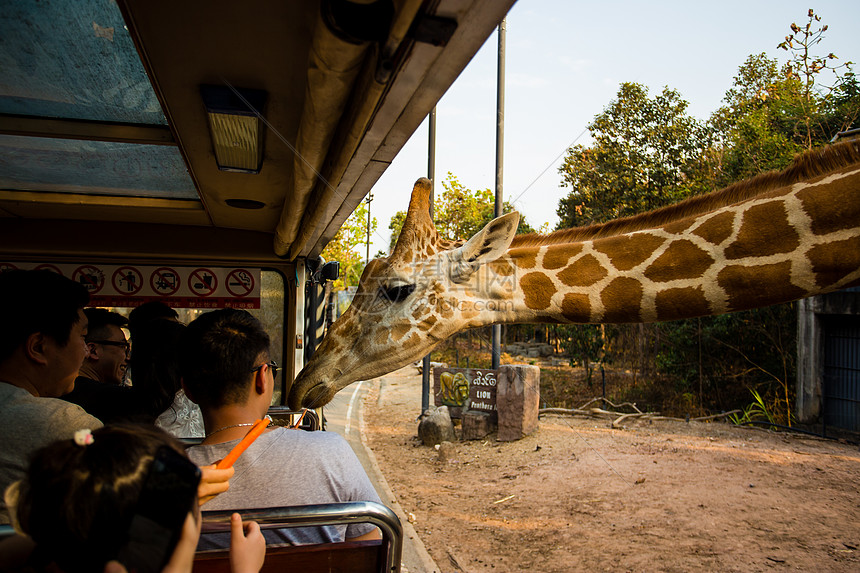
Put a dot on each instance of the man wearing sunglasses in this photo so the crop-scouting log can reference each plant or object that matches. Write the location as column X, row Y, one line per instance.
column 227, row 370
column 98, row 388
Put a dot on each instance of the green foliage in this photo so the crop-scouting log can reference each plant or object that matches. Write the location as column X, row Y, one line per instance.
column 646, row 154
column 459, row 213
column 755, row 411
column 349, row 247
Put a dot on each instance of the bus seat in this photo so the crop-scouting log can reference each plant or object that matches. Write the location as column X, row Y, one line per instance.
column 380, row 556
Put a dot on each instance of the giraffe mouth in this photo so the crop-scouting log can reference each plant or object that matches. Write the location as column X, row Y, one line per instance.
column 309, row 391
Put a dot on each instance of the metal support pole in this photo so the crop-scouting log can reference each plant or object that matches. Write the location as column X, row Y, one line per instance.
column 500, row 164
column 431, row 174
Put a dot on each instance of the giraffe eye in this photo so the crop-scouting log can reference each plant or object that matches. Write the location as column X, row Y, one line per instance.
column 397, row 293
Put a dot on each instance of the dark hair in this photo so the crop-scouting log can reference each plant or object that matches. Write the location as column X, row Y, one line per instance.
column 77, row 502
column 151, row 310
column 219, row 349
column 99, row 319
column 155, row 364
column 37, row 301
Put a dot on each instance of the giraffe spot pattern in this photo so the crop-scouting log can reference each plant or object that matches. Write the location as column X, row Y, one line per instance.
column 624, row 294
column 678, row 227
column 681, row 260
column 526, row 258
column 502, row 268
column 626, row 252
column 556, row 256
column 757, row 285
column 426, row 324
column 584, row 272
column 829, row 211
column 829, row 260
column 716, row 229
column 686, row 301
column 764, row 231
column 576, row 307
column 399, row 331
column 538, row 290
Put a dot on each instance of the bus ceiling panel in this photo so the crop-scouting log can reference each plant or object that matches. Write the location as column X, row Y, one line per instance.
column 30, row 126
column 255, row 44
column 73, row 59
column 133, row 242
column 93, row 168
column 42, row 205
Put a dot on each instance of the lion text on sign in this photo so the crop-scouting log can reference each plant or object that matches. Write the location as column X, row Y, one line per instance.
column 465, row 389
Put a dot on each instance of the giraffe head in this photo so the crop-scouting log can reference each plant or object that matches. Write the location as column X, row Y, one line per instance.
column 406, row 304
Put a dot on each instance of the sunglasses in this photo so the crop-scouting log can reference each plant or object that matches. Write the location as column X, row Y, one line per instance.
column 273, row 365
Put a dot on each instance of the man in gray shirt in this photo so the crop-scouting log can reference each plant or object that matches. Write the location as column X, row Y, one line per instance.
column 227, row 371
column 42, row 348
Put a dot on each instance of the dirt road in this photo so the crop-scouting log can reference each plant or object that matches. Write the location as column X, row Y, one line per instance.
column 579, row 496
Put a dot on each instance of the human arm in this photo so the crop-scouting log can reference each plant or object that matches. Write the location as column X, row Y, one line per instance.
column 371, row 535
column 212, row 482
column 247, row 546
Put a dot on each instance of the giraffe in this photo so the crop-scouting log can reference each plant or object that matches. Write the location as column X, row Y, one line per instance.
column 771, row 239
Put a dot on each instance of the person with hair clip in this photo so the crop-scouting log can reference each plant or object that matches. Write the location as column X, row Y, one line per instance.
column 119, row 498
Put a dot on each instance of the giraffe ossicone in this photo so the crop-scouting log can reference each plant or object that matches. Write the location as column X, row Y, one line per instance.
column 774, row 238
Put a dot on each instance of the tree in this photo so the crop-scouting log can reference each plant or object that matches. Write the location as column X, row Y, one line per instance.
column 346, row 247
column 646, row 154
column 805, row 68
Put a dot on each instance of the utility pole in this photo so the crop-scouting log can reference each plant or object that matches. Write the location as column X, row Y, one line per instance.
column 500, row 165
column 431, row 174
column 368, row 200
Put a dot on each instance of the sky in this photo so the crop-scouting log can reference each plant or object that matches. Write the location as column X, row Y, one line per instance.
column 565, row 60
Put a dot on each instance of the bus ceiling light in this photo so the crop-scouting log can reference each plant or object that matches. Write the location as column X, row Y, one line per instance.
column 233, row 115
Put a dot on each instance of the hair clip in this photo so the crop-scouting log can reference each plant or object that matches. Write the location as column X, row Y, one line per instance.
column 84, row 437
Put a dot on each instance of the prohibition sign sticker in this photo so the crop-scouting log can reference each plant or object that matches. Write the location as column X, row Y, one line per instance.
column 48, row 267
column 240, row 282
column 92, row 278
column 127, row 280
column 164, row 281
column 202, row 282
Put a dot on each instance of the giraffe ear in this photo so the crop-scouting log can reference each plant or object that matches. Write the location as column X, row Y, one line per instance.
column 487, row 245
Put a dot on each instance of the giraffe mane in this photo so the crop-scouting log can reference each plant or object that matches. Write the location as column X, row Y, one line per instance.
column 806, row 166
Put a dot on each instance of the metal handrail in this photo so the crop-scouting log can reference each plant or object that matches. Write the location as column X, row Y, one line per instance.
column 322, row 514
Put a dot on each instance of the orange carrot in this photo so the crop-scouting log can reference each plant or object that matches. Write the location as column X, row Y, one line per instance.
column 230, row 459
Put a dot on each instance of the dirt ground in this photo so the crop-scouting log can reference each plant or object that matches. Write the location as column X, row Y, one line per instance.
column 580, row 496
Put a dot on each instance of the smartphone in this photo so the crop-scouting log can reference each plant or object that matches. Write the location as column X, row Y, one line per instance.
column 168, row 494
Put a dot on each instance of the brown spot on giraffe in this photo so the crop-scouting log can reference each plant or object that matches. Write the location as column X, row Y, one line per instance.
column 502, row 268
column 538, row 290
column 526, row 258
column 765, row 230
column 758, row 285
column 678, row 227
column 829, row 210
column 584, row 272
column 623, row 300
column 399, row 331
column 576, row 307
column 626, row 252
column 426, row 324
column 556, row 256
column 829, row 260
column 716, row 229
column 381, row 337
column 681, row 260
column 419, row 312
column 684, row 302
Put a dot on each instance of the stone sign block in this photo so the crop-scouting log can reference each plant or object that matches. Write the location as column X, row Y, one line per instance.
column 517, row 401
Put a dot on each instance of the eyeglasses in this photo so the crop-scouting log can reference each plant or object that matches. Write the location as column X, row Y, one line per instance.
column 273, row 365
column 124, row 345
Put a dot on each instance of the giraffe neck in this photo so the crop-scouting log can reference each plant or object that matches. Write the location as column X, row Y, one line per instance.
column 781, row 245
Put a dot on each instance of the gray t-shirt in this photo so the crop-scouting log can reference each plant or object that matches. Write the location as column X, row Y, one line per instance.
column 286, row 467
column 28, row 423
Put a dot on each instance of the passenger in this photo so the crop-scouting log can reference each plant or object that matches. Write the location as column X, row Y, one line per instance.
column 152, row 310
column 42, row 347
column 226, row 369
column 155, row 374
column 99, row 389
column 82, row 500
